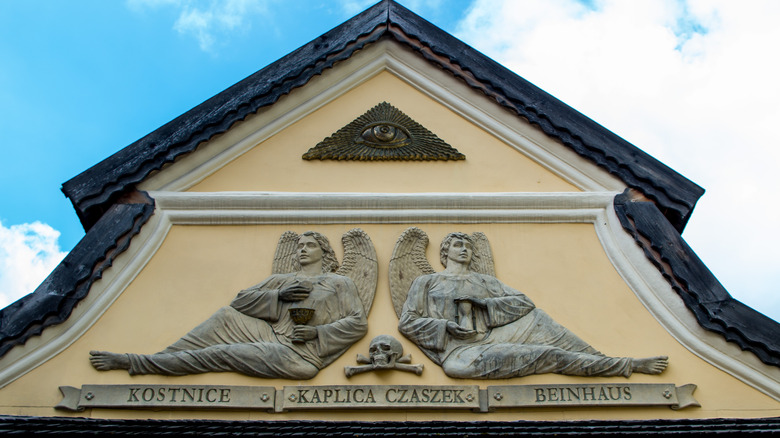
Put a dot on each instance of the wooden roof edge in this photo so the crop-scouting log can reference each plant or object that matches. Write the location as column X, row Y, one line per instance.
column 94, row 190
column 711, row 304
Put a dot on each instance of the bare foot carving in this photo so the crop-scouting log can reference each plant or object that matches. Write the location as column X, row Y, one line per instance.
column 105, row 360
column 650, row 365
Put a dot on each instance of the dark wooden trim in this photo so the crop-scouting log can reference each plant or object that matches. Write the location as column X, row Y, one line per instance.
column 53, row 301
column 713, row 307
column 94, row 191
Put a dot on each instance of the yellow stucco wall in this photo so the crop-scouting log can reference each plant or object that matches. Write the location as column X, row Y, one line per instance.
column 561, row 267
column 490, row 165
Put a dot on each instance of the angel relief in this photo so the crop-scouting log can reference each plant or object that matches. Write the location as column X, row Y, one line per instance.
column 474, row 326
column 293, row 324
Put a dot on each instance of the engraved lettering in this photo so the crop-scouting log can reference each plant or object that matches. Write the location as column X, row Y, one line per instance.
column 414, row 398
column 370, row 397
column 358, row 395
column 582, row 394
column 315, row 398
column 150, row 396
column 186, row 393
column 435, row 394
column 133, row 395
column 589, row 391
column 302, row 396
column 458, row 392
column 208, row 395
column 173, row 392
column 224, row 395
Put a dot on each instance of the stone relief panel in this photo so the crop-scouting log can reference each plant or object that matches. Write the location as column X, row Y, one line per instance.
column 291, row 325
column 474, row 326
column 380, row 134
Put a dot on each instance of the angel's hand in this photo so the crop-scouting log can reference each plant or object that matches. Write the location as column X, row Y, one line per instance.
column 479, row 302
column 304, row 332
column 459, row 332
column 296, row 292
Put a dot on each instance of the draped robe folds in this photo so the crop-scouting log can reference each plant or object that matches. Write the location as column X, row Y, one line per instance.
column 254, row 334
column 513, row 338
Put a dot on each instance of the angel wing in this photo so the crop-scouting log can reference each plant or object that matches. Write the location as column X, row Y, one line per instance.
column 360, row 264
column 483, row 263
column 407, row 263
column 284, row 258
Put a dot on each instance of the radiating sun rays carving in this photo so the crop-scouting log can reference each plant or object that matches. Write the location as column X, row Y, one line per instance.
column 383, row 133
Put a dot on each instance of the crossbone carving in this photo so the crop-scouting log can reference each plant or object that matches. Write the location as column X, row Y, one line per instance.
column 385, row 353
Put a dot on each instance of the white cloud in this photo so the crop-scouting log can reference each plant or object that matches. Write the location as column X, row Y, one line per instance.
column 28, row 253
column 209, row 21
column 692, row 83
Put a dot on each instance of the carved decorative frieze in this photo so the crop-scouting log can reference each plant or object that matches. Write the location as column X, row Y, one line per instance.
column 383, row 133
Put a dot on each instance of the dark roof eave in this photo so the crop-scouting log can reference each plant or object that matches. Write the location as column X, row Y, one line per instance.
column 94, row 190
column 711, row 304
column 54, row 300
column 673, row 192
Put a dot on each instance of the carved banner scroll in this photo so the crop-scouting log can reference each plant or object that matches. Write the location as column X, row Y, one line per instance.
column 167, row 397
column 381, row 397
column 349, row 397
column 602, row 395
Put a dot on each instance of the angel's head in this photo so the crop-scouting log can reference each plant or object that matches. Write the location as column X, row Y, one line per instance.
column 458, row 247
column 324, row 252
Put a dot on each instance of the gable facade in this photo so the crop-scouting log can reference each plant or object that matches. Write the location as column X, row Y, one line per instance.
column 187, row 217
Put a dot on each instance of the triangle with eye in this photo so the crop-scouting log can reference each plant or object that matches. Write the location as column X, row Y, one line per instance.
column 383, row 133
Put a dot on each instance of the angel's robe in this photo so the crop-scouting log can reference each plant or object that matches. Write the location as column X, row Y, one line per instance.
column 513, row 338
column 254, row 334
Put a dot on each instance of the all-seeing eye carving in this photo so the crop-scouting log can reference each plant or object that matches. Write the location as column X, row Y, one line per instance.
column 383, row 133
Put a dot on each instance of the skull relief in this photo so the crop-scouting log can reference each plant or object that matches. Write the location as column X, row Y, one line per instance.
column 384, row 351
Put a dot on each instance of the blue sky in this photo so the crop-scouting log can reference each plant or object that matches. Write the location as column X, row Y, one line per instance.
column 687, row 81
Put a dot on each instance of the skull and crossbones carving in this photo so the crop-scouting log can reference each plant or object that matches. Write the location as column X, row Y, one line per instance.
column 385, row 353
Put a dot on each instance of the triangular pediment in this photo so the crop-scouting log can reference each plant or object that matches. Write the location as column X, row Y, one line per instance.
column 96, row 189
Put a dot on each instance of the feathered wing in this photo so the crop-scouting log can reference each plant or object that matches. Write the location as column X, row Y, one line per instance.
column 360, row 264
column 407, row 263
column 483, row 264
column 284, row 258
